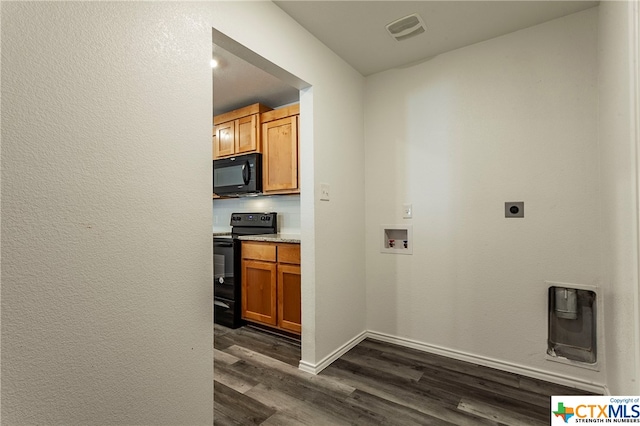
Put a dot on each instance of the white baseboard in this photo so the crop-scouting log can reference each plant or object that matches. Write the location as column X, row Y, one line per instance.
column 535, row 373
column 326, row 361
column 459, row 355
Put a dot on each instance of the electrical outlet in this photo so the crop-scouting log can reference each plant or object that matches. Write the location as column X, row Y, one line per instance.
column 324, row 192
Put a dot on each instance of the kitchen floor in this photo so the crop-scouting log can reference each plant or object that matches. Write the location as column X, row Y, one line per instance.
column 257, row 381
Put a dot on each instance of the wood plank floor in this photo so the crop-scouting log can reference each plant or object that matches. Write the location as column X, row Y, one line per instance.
column 257, row 381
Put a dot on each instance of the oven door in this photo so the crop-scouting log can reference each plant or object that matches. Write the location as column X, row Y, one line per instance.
column 224, row 279
column 226, row 313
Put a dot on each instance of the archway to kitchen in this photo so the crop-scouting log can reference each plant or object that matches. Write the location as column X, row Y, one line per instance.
column 242, row 78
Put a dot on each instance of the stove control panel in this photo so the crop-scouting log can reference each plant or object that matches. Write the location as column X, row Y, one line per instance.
column 254, row 219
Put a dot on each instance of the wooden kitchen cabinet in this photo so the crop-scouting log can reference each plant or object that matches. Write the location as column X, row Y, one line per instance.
column 259, row 281
column 280, row 148
column 247, row 134
column 289, row 298
column 225, row 140
column 271, row 279
column 238, row 131
column 214, row 140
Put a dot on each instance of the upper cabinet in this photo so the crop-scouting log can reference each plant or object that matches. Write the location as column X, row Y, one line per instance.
column 237, row 132
column 225, row 137
column 280, row 151
column 272, row 132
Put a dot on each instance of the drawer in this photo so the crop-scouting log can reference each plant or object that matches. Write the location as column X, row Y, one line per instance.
column 289, row 253
column 227, row 313
column 259, row 251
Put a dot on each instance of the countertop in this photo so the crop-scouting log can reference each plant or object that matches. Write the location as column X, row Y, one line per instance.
column 273, row 238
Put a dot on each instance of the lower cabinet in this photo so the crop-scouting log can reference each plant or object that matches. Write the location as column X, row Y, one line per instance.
column 289, row 299
column 271, row 293
column 259, row 291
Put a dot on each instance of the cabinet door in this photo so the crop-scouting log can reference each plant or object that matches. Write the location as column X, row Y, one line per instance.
column 224, row 140
column 213, row 143
column 246, row 134
column 280, row 155
column 259, row 291
column 289, row 298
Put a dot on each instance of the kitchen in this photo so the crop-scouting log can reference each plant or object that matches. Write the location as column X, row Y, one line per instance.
column 122, row 278
column 256, row 202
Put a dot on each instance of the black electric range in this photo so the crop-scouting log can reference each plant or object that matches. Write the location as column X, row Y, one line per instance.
column 227, row 285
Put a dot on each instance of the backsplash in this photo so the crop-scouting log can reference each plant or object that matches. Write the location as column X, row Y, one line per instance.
column 287, row 207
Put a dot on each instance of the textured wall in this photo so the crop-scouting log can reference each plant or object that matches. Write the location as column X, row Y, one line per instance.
column 106, row 214
column 510, row 119
column 618, row 151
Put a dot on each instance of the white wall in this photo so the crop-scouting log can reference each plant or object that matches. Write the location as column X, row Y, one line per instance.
column 617, row 133
column 106, row 214
column 510, row 119
column 333, row 282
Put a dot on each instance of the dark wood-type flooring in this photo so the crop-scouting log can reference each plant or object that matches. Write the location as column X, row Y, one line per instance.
column 257, row 381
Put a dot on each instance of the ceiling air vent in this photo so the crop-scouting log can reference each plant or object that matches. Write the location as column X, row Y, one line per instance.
column 406, row 27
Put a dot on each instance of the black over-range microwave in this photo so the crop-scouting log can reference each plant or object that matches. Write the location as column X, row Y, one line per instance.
column 240, row 175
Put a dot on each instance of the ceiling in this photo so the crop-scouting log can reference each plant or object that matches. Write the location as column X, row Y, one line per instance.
column 355, row 30
column 238, row 83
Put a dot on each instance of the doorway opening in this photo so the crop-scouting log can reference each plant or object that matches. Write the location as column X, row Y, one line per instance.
column 263, row 92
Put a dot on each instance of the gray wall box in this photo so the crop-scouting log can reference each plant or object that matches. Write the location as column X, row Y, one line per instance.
column 572, row 324
column 514, row 209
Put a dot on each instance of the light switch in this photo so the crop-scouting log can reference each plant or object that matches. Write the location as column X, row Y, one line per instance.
column 324, row 192
column 407, row 211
